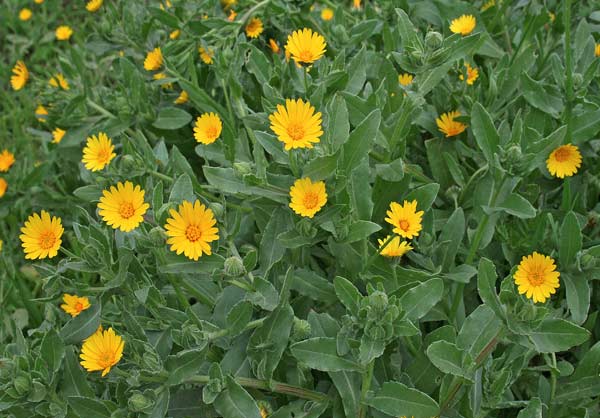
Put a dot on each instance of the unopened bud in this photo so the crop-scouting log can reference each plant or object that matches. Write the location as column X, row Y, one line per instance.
column 433, row 39
column 234, row 267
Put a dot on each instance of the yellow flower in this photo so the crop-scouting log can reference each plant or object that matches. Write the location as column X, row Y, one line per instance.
column 208, row 128
column 448, row 125
column 41, row 113
column 228, row 3
column 154, row 60
column 182, row 98
column 175, row 34
column 98, row 152
column 7, row 159
column 57, row 135
column 206, row 56
column 264, row 413
column 327, row 14
column 254, row 27
column 296, row 125
column 190, row 230
column 3, row 186
column 356, row 4
column 305, row 46
column 1, row 242
column 536, row 277
column 160, row 76
column 59, row 80
column 463, row 25
column 232, row 15
column 25, row 14
column 552, row 17
column 20, row 76
column 101, row 351
column 395, row 248
column 93, row 5
column 307, row 198
column 41, row 236
column 405, row 219
column 564, row 161
column 63, row 33
column 405, row 79
column 488, row 5
column 74, row 304
column 38, row 1
column 123, row 207
column 274, row 46
column 597, row 50
column 472, row 74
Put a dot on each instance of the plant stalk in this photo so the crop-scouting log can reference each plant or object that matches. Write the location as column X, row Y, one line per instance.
column 366, row 385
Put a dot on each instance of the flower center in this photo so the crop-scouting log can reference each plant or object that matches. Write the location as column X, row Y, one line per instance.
column 126, row 210
column 106, row 359
column 536, row 278
column 295, row 131
column 102, row 156
column 47, row 240
column 562, row 154
column 211, row 132
column 306, row 56
column 311, row 200
column 404, row 224
column 79, row 306
column 193, row 233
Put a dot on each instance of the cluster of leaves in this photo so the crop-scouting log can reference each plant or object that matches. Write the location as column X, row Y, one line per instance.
column 295, row 317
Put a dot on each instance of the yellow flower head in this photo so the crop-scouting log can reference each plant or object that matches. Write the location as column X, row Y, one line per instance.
column 228, row 3
column 190, row 230
column 564, row 161
column 98, row 152
column 123, row 207
column 356, row 4
column 296, row 125
column 597, row 50
column 405, row 219
column 3, row 186
column 57, row 135
column 154, row 60
column 405, row 79
column 395, row 248
column 305, row 46
column 307, row 198
column 101, row 351
column 41, row 112
column 59, row 80
column 63, row 33
column 488, row 5
column 552, row 17
column 274, row 46
column 93, row 5
column 536, row 277
column 206, row 56
column 327, row 14
column 160, row 76
column 448, row 125
column 7, row 159
column 232, row 15
column 20, row 76
column 175, row 34
column 74, row 305
column 472, row 74
column 208, row 128
column 463, row 25
column 38, row 1
column 182, row 98
column 25, row 14
column 41, row 236
column 254, row 27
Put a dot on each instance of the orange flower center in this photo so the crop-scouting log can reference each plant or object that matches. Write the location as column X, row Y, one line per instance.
column 211, row 132
column 295, row 131
column 47, row 240
column 306, row 56
column 126, row 210
column 562, row 154
column 79, row 306
column 536, row 278
column 404, row 225
column 102, row 156
column 106, row 359
column 310, row 200
column 193, row 233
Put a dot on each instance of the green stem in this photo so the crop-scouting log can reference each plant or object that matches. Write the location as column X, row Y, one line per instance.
column 222, row 333
column 160, row 176
column 366, row 385
column 25, row 295
column 569, row 67
column 553, row 378
column 174, row 282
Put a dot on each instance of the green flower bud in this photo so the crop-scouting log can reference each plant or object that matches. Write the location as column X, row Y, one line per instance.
column 128, row 162
column 151, row 361
column 242, row 168
column 514, row 155
column 378, row 300
column 433, row 40
column 22, row 384
column 139, row 403
column 301, row 330
column 217, row 209
column 577, row 80
column 452, row 192
column 376, row 332
column 234, row 267
column 418, row 54
column 588, row 261
column 157, row 236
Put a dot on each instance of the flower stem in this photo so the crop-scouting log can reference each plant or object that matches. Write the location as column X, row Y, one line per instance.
column 366, row 385
column 222, row 333
column 553, row 378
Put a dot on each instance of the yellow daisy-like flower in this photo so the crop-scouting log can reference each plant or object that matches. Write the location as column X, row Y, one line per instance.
column 98, row 152
column 564, row 161
column 101, row 351
column 448, row 125
column 307, row 198
column 488, row 5
column 395, row 248
column 472, row 74
column 206, row 56
column 274, row 46
column 190, row 230
column 20, row 76
column 405, row 219
column 41, row 113
column 327, row 14
column 463, row 25
column 597, row 50
column 154, row 60
column 59, row 80
column 208, row 128
column 63, row 33
column 305, row 46
column 57, row 135
column 7, row 159
column 356, row 4
column 405, row 79
column 536, row 277
column 3, row 186
column 182, row 98
column 41, row 236
column 38, row 1
column 123, row 207
column 74, row 305
column 296, row 125
column 93, row 5
column 160, row 76
column 254, row 27
column 25, row 14
column 232, row 15
column 175, row 34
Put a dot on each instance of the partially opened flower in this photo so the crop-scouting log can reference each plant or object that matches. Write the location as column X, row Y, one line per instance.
column 161, row 76
column 74, row 305
column 274, row 46
column 208, row 128
column 307, row 198
column 463, row 25
column 228, row 3
column 536, row 277
column 7, row 159
column 41, row 113
column 448, row 125
column 191, row 229
column 405, row 79
column 154, row 60
column 20, row 76
column 296, row 125
column 405, row 218
column 356, row 4
column 182, row 98
column 101, row 351
column 305, row 46
column 564, row 161
column 63, row 33
column 3, row 186
column 488, row 5
column 254, row 27
column 206, row 55
column 93, row 5
column 41, row 236
column 57, row 135
column 394, row 248
column 59, row 80
column 472, row 74
column 38, row 1
column 25, row 14
column 597, row 50
column 174, row 34
column 327, row 14
column 232, row 15
column 98, row 152
column 123, row 207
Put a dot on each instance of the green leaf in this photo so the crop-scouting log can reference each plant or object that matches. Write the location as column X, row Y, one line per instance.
column 164, row 17
column 408, row 32
column 393, row 171
column 170, row 118
column 270, row 249
column 89, row 193
column 348, row 294
column 486, row 285
column 310, row 284
column 259, row 65
column 369, row 350
column 239, row 316
column 52, row 350
column 480, row 328
column 424, row 195
column 320, row 168
column 448, row 358
column 452, row 232
column 360, row 230
column 272, row 145
column 82, row 326
column 179, row 264
column 585, row 126
column 542, row 97
column 338, row 124
column 578, row 297
column 88, row 407
column 321, row 354
column 74, row 380
column 587, row 387
column 554, row 335
column 184, row 364
column 420, row 299
column 182, row 190
column 224, row 179
column 532, row 410
column 397, row 399
column 518, row 206
column 348, row 386
column 360, row 141
column 235, row 402
column 484, row 131
column 570, row 240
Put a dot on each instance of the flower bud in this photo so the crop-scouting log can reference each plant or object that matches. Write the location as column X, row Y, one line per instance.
column 234, row 267
column 217, row 209
column 452, row 192
column 139, row 403
column 433, row 39
column 127, row 162
column 378, row 300
column 242, row 168
column 157, row 236
column 577, row 80
column 306, row 228
column 301, row 330
column 151, row 361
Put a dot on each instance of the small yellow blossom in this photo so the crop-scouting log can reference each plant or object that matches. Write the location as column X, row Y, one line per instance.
column 63, row 33
column 3, row 186
column 536, row 277
column 472, row 74
column 254, row 28
column 74, row 305
column 25, row 14
column 93, row 5
column 448, row 125
column 41, row 113
column 564, row 161
column 182, row 98
column 57, row 135
column 463, row 25
column 405, row 79
column 101, row 351
column 7, row 159
column 154, row 60
column 59, row 80
column 20, row 76
column 206, row 56
column 208, row 128
column 394, row 248
column 307, row 198
column 327, row 14
column 405, row 218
